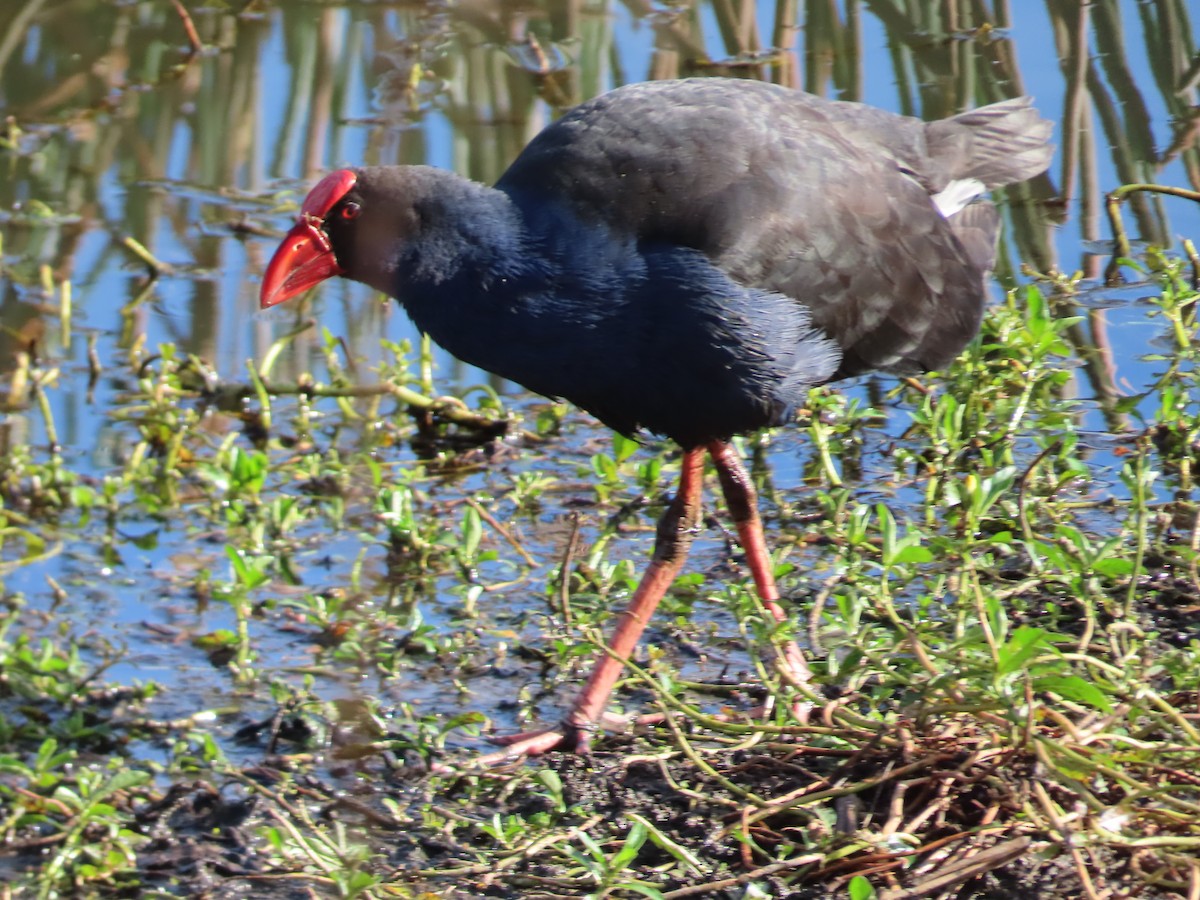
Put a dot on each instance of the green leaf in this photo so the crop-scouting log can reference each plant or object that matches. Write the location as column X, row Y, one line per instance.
column 630, row 847
column 550, row 780
column 589, row 844
column 1025, row 643
column 1113, row 567
column 913, row 554
column 46, row 754
column 147, row 541
column 249, row 572
column 887, row 529
column 644, row 889
column 605, row 467
column 241, row 571
column 623, row 447
column 1072, row 687
column 860, row 888
column 215, row 640
column 472, row 531
column 122, row 781
column 664, row 843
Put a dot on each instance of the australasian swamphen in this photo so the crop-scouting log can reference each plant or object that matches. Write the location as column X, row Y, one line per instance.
column 687, row 258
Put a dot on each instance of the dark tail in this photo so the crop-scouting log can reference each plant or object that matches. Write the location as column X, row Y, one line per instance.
column 999, row 144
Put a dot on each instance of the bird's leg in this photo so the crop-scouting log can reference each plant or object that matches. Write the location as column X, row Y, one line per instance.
column 742, row 500
column 676, row 530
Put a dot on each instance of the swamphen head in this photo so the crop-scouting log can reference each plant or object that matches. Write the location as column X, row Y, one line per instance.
column 324, row 240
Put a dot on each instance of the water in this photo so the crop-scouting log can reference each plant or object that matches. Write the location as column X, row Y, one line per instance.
column 119, row 132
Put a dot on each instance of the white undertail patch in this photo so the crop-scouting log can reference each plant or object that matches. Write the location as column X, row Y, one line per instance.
column 957, row 194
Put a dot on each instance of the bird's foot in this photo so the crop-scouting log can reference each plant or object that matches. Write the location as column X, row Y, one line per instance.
column 569, row 737
column 529, row 743
column 515, row 747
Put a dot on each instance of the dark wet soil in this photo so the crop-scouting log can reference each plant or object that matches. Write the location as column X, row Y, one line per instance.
column 204, row 840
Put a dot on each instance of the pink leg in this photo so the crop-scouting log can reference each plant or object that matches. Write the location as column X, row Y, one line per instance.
column 676, row 529
column 742, row 501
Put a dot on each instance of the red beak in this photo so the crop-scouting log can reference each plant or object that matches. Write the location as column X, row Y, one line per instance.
column 303, row 260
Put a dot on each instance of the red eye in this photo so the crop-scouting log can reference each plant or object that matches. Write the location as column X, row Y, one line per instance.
column 351, row 210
